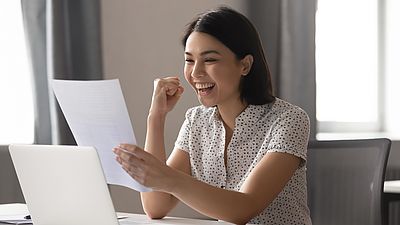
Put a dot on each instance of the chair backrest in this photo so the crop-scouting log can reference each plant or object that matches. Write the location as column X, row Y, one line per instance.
column 345, row 181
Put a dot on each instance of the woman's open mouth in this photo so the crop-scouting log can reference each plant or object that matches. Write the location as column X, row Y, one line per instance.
column 204, row 88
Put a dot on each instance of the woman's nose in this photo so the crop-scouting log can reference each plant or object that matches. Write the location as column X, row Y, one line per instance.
column 198, row 70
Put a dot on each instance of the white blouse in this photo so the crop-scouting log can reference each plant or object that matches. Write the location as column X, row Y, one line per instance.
column 259, row 129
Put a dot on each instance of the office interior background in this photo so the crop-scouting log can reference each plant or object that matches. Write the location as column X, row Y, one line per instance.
column 335, row 59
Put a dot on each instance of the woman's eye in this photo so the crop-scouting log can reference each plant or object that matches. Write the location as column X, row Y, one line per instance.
column 210, row 60
column 189, row 61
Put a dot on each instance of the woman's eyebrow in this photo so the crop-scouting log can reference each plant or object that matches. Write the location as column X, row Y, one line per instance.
column 205, row 52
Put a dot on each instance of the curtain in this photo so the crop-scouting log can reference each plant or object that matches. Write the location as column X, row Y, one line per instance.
column 64, row 41
column 287, row 30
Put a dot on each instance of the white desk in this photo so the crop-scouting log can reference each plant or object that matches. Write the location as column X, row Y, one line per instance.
column 133, row 219
column 136, row 219
column 391, row 193
column 392, row 186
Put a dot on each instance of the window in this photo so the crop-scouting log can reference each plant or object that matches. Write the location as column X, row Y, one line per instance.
column 392, row 68
column 16, row 114
column 356, row 56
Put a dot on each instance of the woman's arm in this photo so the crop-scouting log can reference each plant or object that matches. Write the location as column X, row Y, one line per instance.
column 166, row 93
column 261, row 187
column 158, row 204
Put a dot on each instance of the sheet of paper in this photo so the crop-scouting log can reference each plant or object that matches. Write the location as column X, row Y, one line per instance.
column 97, row 116
column 14, row 213
column 17, row 222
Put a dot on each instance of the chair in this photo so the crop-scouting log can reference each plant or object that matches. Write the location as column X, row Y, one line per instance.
column 345, row 181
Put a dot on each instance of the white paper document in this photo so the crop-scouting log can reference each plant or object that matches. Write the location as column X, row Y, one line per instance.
column 14, row 213
column 97, row 116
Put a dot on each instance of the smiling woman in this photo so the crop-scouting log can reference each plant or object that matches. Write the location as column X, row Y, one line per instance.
column 16, row 114
column 240, row 155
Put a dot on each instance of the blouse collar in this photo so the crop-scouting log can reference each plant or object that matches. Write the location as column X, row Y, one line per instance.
column 247, row 118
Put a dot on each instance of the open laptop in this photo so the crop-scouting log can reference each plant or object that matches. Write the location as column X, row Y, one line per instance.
column 63, row 185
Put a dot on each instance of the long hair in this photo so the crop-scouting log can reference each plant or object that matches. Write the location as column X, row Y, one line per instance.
column 237, row 33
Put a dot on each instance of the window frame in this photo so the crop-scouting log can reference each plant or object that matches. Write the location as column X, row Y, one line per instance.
column 327, row 129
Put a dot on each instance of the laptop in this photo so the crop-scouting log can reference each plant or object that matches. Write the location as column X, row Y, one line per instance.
column 63, row 185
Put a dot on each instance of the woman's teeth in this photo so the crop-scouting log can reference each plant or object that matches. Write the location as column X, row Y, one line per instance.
column 200, row 86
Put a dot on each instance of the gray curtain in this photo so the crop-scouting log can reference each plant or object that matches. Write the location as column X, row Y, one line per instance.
column 287, row 30
column 64, row 43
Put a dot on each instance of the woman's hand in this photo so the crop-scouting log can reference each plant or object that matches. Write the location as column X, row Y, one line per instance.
column 144, row 167
column 166, row 94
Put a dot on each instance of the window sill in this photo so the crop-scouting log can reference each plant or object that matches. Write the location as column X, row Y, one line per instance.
column 356, row 135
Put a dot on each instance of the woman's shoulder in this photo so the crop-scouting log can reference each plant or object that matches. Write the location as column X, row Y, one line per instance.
column 281, row 107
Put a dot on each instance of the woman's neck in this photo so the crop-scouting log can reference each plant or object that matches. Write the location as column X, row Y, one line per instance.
column 230, row 111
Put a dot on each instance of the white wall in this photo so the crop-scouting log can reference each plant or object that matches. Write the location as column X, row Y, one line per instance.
column 141, row 41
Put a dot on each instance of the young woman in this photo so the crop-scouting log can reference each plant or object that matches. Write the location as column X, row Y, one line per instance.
column 240, row 156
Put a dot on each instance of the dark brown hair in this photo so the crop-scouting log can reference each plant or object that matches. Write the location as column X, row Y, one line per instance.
column 237, row 33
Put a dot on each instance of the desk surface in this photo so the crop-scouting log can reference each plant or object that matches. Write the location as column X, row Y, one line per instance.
column 392, row 186
column 18, row 210
column 133, row 219
column 136, row 219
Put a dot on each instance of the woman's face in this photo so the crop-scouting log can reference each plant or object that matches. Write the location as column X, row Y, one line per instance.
column 213, row 70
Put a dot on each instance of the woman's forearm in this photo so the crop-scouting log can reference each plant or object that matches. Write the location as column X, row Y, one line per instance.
column 232, row 206
column 260, row 188
column 155, row 136
column 156, row 204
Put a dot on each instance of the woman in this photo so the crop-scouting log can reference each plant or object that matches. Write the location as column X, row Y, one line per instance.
column 240, row 156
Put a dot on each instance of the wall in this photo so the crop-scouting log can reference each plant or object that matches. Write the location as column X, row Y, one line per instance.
column 141, row 41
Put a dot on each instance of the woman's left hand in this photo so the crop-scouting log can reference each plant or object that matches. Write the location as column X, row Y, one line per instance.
column 144, row 167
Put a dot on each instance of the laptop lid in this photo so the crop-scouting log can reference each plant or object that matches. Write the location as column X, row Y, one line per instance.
column 63, row 185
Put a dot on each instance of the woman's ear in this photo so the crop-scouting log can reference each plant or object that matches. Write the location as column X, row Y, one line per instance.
column 246, row 62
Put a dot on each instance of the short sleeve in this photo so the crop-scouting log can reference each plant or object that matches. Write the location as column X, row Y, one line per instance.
column 290, row 134
column 182, row 141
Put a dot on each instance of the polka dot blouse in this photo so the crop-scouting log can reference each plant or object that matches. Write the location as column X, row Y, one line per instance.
column 259, row 129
